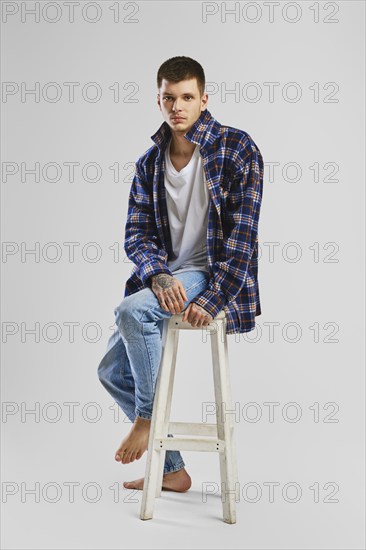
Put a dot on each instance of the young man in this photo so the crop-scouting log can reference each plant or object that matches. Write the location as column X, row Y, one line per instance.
column 192, row 233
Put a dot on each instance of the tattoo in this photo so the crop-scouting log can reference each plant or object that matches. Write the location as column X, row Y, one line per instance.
column 162, row 281
column 202, row 310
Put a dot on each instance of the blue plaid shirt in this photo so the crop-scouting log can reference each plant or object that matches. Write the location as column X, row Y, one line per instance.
column 233, row 168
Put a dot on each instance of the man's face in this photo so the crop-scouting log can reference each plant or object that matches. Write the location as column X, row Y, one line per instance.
column 181, row 99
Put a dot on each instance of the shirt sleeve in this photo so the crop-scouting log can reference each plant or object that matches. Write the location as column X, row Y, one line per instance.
column 240, row 227
column 142, row 244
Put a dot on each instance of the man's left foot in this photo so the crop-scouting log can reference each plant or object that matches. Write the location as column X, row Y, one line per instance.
column 179, row 481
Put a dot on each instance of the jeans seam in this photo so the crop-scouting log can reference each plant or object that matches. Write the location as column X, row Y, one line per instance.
column 151, row 391
column 195, row 284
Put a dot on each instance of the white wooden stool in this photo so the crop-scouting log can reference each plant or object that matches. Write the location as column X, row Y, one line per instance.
column 218, row 437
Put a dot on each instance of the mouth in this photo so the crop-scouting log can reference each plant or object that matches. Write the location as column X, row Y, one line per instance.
column 177, row 119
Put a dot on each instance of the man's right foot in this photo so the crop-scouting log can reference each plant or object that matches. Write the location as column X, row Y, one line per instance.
column 179, row 481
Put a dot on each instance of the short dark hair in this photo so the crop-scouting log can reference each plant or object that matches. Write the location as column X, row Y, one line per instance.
column 180, row 68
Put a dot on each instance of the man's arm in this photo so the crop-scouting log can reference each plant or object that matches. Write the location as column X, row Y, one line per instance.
column 240, row 227
column 142, row 243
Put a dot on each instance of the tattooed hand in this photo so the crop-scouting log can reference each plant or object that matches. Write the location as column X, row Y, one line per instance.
column 169, row 291
column 196, row 315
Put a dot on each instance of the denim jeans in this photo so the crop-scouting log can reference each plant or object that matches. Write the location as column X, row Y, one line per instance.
column 129, row 369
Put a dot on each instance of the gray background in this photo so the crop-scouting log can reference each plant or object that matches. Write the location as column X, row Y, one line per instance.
column 311, row 287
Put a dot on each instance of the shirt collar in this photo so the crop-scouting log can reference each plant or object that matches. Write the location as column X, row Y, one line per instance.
column 203, row 131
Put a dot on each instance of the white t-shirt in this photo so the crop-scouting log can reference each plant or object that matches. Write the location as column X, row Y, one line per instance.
column 187, row 198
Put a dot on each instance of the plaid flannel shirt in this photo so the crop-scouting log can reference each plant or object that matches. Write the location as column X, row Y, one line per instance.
column 233, row 172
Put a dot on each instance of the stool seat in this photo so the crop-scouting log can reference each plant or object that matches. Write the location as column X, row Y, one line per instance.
column 217, row 437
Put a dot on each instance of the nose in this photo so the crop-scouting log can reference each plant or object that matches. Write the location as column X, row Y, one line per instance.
column 175, row 106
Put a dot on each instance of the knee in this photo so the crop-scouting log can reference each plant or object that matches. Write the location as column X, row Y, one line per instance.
column 103, row 372
column 128, row 315
column 107, row 365
column 122, row 312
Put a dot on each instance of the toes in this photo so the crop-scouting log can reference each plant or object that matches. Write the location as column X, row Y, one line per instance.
column 128, row 458
column 125, row 458
column 131, row 484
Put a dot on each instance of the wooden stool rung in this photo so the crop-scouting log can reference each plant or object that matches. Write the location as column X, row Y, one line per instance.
column 192, row 428
column 189, row 444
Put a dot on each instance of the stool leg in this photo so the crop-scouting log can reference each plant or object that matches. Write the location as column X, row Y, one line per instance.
column 167, row 411
column 225, row 424
column 163, row 452
column 156, row 429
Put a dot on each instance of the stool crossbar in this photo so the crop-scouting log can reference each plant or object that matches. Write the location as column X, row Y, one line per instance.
column 217, row 437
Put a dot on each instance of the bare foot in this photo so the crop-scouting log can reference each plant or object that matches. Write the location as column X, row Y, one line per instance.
column 179, row 481
column 135, row 443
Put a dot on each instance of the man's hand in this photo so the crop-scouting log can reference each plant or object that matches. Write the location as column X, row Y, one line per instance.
column 196, row 315
column 169, row 291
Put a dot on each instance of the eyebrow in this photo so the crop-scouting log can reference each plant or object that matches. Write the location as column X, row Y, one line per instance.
column 185, row 93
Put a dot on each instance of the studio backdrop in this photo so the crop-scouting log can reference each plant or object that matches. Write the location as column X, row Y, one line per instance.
column 78, row 109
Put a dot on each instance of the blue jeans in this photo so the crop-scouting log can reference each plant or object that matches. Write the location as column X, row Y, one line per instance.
column 129, row 369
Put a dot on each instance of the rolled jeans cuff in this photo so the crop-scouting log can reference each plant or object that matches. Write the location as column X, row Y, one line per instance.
column 141, row 414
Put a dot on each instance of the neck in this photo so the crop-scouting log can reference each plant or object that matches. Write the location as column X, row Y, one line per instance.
column 180, row 146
